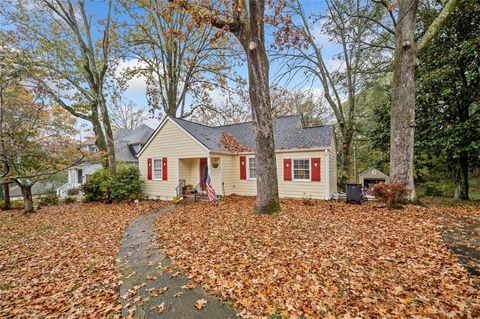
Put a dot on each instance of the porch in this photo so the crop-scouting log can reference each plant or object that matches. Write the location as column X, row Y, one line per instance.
column 193, row 172
column 77, row 176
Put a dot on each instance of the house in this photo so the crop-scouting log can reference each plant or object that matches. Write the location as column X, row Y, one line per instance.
column 181, row 153
column 371, row 177
column 127, row 145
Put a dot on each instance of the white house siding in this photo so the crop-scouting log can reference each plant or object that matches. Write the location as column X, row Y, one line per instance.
column 228, row 172
column 189, row 170
column 293, row 189
column 333, row 168
column 300, row 189
column 87, row 169
column 173, row 143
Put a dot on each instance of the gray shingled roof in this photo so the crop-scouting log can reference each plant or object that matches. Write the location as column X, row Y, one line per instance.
column 288, row 133
column 127, row 138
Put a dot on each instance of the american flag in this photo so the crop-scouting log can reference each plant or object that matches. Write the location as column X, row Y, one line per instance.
column 210, row 190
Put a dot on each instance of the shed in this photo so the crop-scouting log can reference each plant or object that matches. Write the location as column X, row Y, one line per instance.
column 372, row 176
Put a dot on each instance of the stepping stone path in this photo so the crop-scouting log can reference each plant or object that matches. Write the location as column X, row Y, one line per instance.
column 152, row 288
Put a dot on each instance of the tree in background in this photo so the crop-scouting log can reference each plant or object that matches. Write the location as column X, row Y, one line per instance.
column 372, row 138
column 126, row 115
column 301, row 53
column 37, row 138
column 448, row 92
column 60, row 37
column 246, row 21
column 180, row 59
column 313, row 108
column 233, row 108
column 13, row 69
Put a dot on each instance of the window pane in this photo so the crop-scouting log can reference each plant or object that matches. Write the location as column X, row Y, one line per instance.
column 157, row 169
column 301, row 169
column 252, row 168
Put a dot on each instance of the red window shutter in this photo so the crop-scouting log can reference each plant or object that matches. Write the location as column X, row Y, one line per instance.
column 287, row 169
column 164, row 169
column 243, row 167
column 149, row 168
column 315, row 169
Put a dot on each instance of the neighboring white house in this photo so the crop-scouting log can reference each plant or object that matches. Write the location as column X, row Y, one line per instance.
column 182, row 153
column 127, row 144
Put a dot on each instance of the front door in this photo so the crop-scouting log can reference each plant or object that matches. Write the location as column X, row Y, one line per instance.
column 203, row 172
column 80, row 176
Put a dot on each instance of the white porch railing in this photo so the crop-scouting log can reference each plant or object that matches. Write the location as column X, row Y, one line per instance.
column 62, row 191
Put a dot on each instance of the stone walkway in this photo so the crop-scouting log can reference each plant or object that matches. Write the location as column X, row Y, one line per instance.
column 462, row 235
column 151, row 288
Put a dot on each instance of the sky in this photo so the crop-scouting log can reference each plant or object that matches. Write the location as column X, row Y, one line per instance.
column 136, row 90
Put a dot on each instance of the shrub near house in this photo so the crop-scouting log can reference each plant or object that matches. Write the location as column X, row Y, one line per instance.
column 125, row 185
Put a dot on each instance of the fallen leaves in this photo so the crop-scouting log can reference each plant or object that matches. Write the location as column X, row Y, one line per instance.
column 200, row 304
column 188, row 286
column 61, row 261
column 231, row 143
column 154, row 292
column 161, row 307
column 321, row 261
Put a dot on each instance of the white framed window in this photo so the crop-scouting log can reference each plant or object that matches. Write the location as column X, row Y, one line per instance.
column 157, row 169
column 301, row 169
column 252, row 168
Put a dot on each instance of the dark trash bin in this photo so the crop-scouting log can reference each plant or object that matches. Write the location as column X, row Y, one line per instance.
column 354, row 193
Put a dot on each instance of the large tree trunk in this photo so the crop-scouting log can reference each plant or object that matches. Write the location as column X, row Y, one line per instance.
column 252, row 38
column 108, row 135
column 461, row 178
column 6, row 197
column 402, row 123
column 27, row 198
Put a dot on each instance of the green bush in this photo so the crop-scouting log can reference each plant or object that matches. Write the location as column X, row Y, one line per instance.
column 176, row 200
column 431, row 189
column 69, row 200
column 50, row 198
column 437, row 189
column 14, row 204
column 98, row 186
column 73, row 191
column 126, row 185
column 102, row 186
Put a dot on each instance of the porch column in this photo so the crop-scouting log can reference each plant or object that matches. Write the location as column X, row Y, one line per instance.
column 209, row 164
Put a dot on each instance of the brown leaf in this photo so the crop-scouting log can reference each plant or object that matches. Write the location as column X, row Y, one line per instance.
column 200, row 304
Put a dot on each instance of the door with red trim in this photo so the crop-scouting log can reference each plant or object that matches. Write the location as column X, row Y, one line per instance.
column 203, row 172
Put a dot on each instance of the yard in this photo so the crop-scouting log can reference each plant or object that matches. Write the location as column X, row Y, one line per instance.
column 61, row 261
column 315, row 258
column 325, row 259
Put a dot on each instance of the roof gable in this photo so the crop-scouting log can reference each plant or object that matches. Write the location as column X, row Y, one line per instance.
column 374, row 171
column 159, row 128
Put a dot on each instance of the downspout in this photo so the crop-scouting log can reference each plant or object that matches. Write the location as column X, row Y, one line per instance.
column 327, row 174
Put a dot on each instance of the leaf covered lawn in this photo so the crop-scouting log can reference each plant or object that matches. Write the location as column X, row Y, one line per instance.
column 321, row 261
column 61, row 261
